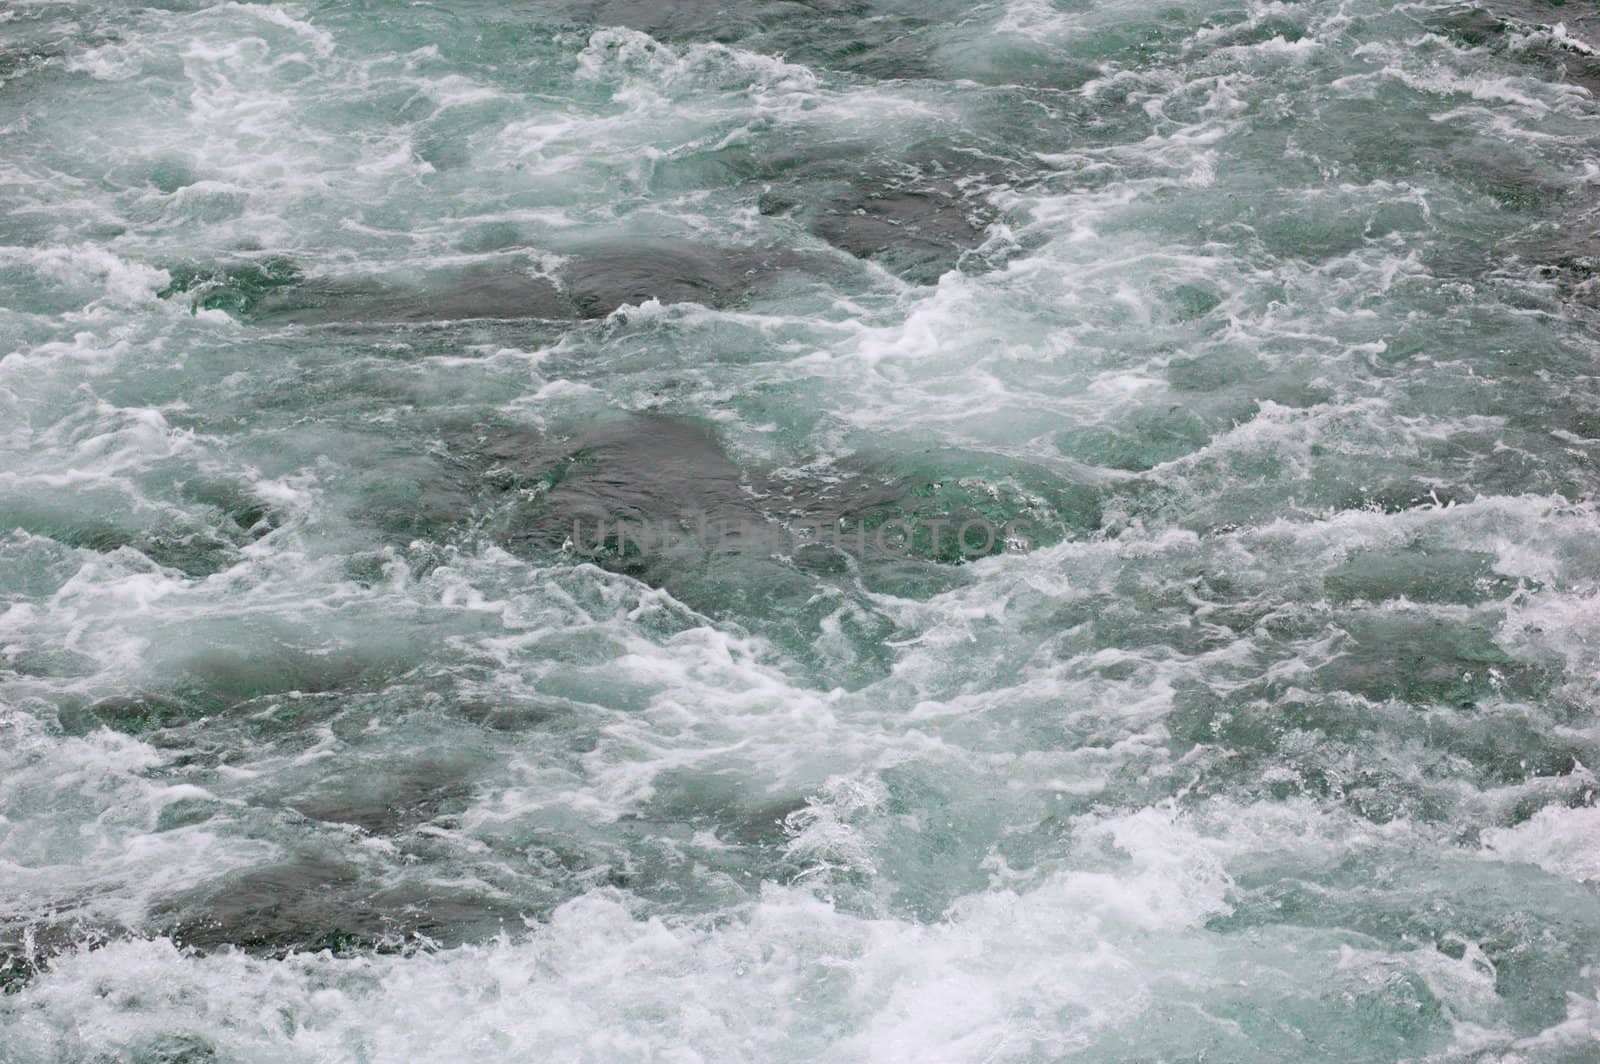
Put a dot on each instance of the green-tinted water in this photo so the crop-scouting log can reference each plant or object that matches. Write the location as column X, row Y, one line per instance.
column 1252, row 345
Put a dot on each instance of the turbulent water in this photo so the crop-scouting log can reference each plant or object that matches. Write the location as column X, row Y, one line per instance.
column 1265, row 333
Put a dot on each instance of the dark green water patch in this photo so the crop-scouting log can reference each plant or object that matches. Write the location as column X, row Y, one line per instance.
column 1142, row 441
column 388, row 798
column 916, row 215
column 869, row 39
column 168, row 1049
column 1418, row 573
column 133, row 714
column 1381, row 761
column 1492, row 25
column 239, row 288
column 595, row 280
column 267, row 686
column 515, row 716
column 18, row 63
column 278, row 291
column 192, row 549
column 1538, row 932
column 235, row 501
column 691, row 20
column 657, row 485
column 487, row 292
column 225, row 675
column 602, row 277
column 783, row 552
column 1419, row 657
column 1513, row 744
column 310, row 903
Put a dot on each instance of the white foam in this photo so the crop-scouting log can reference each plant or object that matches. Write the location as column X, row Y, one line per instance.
column 1558, row 840
column 115, row 280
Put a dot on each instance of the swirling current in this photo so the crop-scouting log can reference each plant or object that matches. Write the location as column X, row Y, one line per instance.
column 799, row 530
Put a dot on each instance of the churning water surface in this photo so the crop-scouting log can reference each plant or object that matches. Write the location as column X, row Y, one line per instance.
column 376, row 683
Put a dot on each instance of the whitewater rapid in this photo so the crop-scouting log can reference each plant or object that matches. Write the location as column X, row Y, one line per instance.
column 1258, row 338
